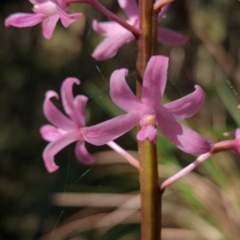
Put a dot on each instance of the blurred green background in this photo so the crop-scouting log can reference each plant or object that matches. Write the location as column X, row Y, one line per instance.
column 101, row 201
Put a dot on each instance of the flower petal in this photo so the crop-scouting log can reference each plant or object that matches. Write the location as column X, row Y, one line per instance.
column 82, row 154
column 147, row 132
column 80, row 102
column 68, row 99
column 48, row 25
column 182, row 137
column 187, row 106
column 68, row 19
column 237, row 133
column 107, row 28
column 121, row 94
column 109, row 46
column 109, row 130
column 54, row 147
column 50, row 133
column 170, row 37
column 63, row 4
column 21, row 20
column 162, row 12
column 129, row 7
column 54, row 116
column 38, row 1
column 154, row 80
column 233, row 134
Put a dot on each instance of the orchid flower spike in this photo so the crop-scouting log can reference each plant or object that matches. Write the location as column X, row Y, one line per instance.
column 149, row 114
column 116, row 36
column 64, row 130
column 46, row 11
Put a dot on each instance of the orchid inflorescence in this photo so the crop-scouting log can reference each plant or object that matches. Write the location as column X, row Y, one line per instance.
column 48, row 12
column 145, row 112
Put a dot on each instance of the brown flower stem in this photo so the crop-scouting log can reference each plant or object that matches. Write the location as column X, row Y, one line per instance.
column 150, row 194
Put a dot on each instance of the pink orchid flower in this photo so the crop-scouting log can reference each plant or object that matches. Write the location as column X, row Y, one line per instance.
column 46, row 11
column 116, row 36
column 149, row 114
column 64, row 130
column 233, row 144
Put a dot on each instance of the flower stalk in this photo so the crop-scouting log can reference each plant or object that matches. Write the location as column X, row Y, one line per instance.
column 109, row 14
column 131, row 160
column 149, row 191
column 185, row 170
